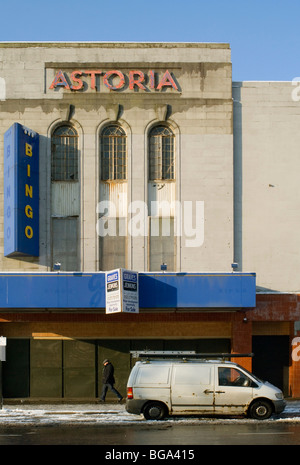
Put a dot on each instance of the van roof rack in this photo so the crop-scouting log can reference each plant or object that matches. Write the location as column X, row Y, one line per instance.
column 182, row 354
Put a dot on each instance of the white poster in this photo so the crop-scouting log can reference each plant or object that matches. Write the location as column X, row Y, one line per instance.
column 113, row 291
column 130, row 290
column 121, row 291
column 2, row 349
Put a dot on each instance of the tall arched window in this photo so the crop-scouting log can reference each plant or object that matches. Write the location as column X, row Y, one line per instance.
column 161, row 154
column 161, row 193
column 113, row 154
column 113, row 167
column 65, row 198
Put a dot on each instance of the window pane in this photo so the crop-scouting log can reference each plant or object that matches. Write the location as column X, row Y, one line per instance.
column 233, row 377
column 64, row 154
column 161, row 154
column 113, row 154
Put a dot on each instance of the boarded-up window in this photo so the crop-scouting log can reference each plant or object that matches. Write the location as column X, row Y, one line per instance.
column 65, row 249
column 112, row 247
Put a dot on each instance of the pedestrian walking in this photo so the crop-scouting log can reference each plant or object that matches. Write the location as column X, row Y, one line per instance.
column 108, row 381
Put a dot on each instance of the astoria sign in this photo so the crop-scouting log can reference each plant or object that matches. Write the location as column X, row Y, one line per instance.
column 114, row 80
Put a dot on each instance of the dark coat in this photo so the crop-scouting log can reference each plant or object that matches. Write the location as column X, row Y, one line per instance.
column 108, row 374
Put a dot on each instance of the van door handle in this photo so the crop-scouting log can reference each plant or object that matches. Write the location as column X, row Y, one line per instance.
column 220, row 392
column 207, row 391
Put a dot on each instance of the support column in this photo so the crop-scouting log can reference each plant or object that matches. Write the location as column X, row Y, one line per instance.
column 294, row 372
column 241, row 340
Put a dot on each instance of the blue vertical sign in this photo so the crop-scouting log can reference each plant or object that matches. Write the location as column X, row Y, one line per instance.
column 21, row 191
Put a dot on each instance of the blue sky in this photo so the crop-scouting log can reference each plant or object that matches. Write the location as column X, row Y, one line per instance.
column 264, row 35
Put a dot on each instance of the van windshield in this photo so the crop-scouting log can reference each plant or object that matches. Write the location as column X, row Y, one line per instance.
column 253, row 376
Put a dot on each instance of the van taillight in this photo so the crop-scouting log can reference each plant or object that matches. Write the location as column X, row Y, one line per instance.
column 129, row 393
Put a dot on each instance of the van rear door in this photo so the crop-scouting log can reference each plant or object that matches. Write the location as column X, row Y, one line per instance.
column 192, row 388
column 152, row 382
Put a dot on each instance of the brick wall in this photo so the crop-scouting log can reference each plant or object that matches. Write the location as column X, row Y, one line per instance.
column 274, row 314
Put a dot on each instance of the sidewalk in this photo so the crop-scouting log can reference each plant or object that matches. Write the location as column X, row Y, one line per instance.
column 59, row 413
column 108, row 413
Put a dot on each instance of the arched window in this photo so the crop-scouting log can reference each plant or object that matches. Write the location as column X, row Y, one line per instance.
column 161, row 154
column 64, row 150
column 65, row 198
column 113, row 154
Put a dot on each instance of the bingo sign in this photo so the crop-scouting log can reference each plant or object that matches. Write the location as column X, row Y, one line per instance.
column 21, row 191
column 121, row 291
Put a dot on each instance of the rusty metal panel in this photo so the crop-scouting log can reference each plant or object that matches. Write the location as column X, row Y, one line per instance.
column 115, row 196
column 65, row 199
column 161, row 199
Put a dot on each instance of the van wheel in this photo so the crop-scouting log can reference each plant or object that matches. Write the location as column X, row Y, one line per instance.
column 154, row 411
column 261, row 410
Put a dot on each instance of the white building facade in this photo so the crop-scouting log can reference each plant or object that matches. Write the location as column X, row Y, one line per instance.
column 150, row 159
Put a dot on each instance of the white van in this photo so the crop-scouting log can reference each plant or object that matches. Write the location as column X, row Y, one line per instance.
column 160, row 388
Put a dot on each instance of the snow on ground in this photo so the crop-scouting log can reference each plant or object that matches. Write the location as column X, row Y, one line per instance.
column 110, row 414
column 66, row 414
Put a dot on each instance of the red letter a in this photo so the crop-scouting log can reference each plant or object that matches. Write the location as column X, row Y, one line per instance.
column 167, row 80
column 60, row 80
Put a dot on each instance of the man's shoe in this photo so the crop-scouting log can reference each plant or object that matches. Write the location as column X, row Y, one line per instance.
column 120, row 400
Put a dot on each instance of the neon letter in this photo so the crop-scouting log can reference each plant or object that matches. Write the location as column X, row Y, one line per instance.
column 60, row 80
column 93, row 77
column 138, row 82
column 76, row 79
column 167, row 80
column 151, row 79
column 109, row 74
